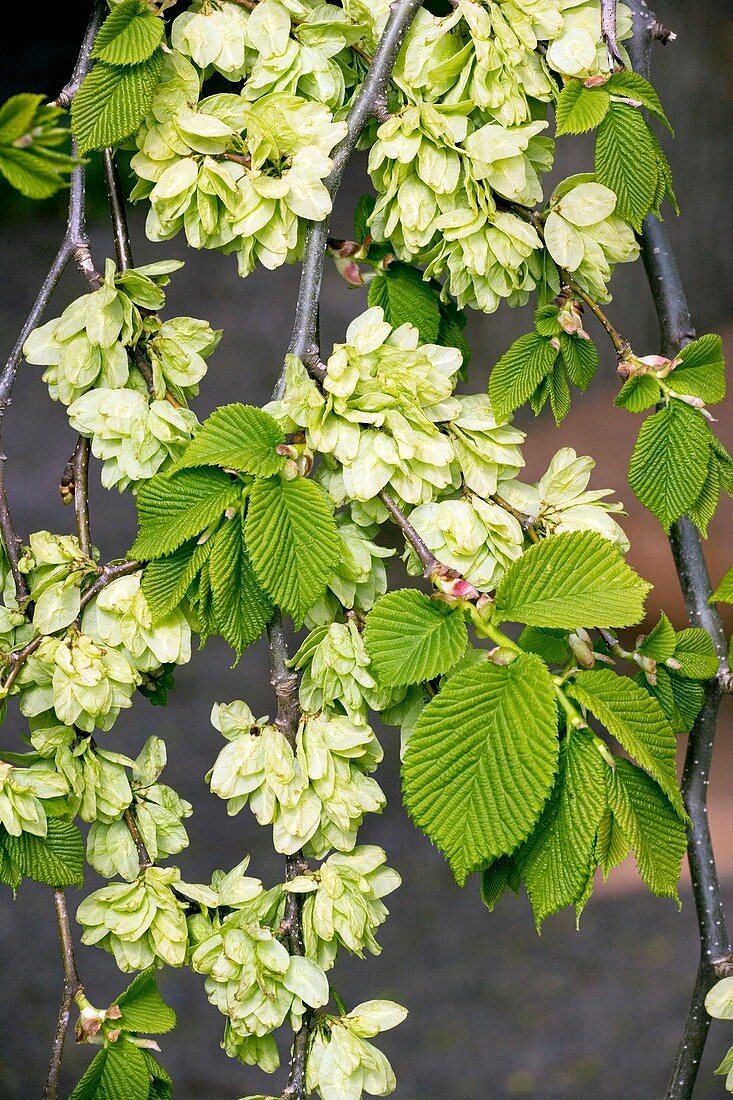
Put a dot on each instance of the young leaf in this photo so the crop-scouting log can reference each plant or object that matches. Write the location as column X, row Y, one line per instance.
column 143, row 1009
column 580, row 359
column 724, row 592
column 292, row 542
column 626, row 161
column 679, row 699
column 634, row 86
column 702, row 370
column 696, row 654
column 481, row 760
column 167, row 580
column 612, row 844
column 364, row 208
column 654, row 830
column 130, row 34
column 404, row 296
column 660, row 642
column 411, row 638
column 579, row 109
column 569, row 580
column 173, row 508
column 236, row 437
column 118, row 1072
column 519, row 372
column 638, row 393
column 10, row 875
column 670, row 461
column 451, row 331
column 554, row 861
column 56, row 859
column 636, row 721
column 496, row 879
column 241, row 608
column 549, row 644
column 112, row 102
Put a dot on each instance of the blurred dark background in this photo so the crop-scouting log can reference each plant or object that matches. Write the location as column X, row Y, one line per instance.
column 495, row 1011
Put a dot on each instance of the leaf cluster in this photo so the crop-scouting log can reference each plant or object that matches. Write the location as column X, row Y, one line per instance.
column 233, row 532
column 116, row 95
column 30, row 136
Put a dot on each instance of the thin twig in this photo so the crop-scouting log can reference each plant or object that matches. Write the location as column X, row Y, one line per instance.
column 116, row 202
column 621, row 346
column 79, row 462
column 72, row 986
column 427, row 558
column 143, row 856
column 715, row 949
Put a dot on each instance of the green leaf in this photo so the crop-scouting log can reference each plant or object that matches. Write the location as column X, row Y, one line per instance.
column 130, row 34
column 34, row 172
column 404, row 296
column 580, row 359
column 519, row 372
column 112, row 102
column 579, row 109
column 292, row 542
column 411, row 638
column 167, row 580
column 612, row 844
column 118, row 1072
column 450, row 332
column 660, row 642
column 549, row 644
column 496, row 879
column 724, row 592
column 696, row 654
column 559, row 392
column 554, row 861
column 143, row 1009
column 241, row 608
column 161, row 1085
column 10, row 875
column 173, row 508
column 679, row 699
column 17, row 116
column 56, row 859
column 362, row 214
column 670, row 461
column 647, row 819
column 626, row 161
column 638, row 393
column 569, row 580
column 237, row 437
column 634, row 86
column 702, row 370
column 636, row 721
column 481, row 760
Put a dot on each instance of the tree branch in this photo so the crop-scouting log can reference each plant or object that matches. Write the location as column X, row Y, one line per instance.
column 373, row 92
column 143, row 856
column 72, row 986
column 677, row 330
column 116, row 201
column 608, row 33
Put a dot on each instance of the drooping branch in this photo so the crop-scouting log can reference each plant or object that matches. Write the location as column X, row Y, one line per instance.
column 369, row 102
column 677, row 330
